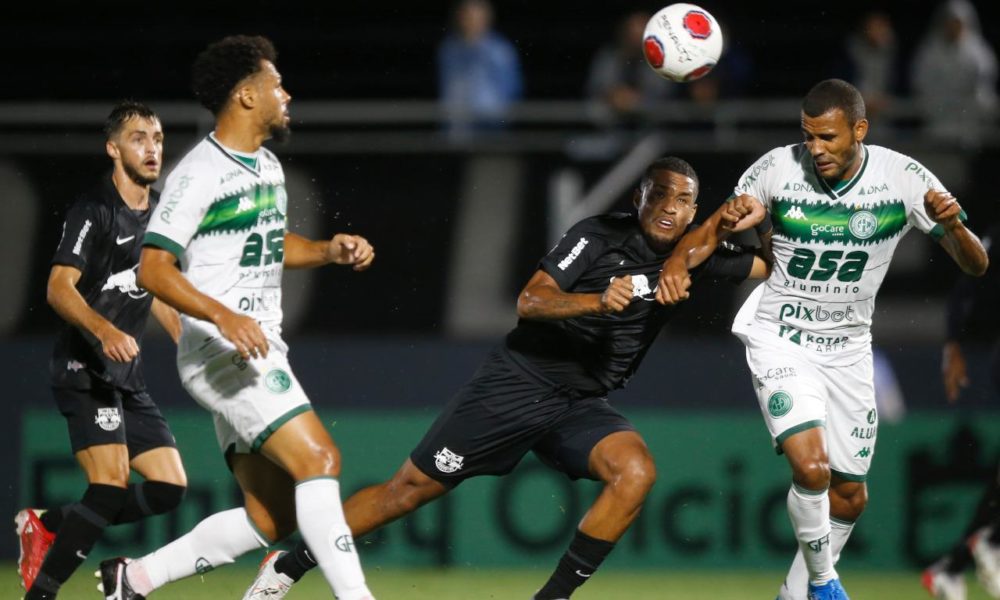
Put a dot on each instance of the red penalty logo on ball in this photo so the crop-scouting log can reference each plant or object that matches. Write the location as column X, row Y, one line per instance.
column 654, row 51
column 697, row 24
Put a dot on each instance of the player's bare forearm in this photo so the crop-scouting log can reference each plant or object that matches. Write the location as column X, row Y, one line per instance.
column 542, row 299
column 159, row 275
column 302, row 253
column 168, row 319
column 342, row 249
column 965, row 249
column 66, row 300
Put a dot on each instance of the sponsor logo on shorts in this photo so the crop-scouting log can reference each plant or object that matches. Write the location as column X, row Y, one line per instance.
column 779, row 403
column 447, row 461
column 872, row 416
column 75, row 365
column 344, row 543
column 108, row 419
column 278, row 381
column 863, row 433
column 202, row 566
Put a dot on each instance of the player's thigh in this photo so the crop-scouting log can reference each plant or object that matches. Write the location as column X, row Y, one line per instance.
column 268, row 494
column 852, row 420
column 105, row 464
column 303, row 448
column 151, row 444
column 591, row 440
column 94, row 420
column 161, row 464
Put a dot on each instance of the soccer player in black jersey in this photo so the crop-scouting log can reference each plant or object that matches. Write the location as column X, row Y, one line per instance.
column 96, row 367
column 587, row 317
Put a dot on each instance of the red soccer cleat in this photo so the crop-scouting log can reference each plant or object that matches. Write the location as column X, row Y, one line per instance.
column 35, row 541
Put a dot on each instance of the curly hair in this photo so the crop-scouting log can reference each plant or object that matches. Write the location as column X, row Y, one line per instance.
column 225, row 63
column 122, row 112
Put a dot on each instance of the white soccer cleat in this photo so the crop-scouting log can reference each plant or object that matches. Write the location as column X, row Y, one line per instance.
column 987, row 557
column 269, row 584
column 943, row 585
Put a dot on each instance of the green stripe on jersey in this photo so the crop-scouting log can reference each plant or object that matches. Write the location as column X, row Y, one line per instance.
column 164, row 243
column 243, row 211
column 830, row 223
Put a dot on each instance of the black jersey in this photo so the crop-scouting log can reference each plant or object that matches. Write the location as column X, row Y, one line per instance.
column 102, row 237
column 596, row 353
column 972, row 305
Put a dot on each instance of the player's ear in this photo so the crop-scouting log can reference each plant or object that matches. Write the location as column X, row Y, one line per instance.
column 112, row 149
column 637, row 197
column 245, row 95
column 860, row 130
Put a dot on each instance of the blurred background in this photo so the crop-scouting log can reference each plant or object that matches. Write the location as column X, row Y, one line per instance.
column 462, row 139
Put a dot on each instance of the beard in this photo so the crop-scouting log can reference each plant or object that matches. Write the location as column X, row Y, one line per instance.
column 280, row 132
column 137, row 177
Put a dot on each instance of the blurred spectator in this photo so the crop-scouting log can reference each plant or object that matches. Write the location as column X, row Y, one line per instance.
column 480, row 75
column 955, row 75
column 621, row 84
column 873, row 58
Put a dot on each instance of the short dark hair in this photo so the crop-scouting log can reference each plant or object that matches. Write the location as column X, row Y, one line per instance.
column 225, row 63
column 669, row 163
column 834, row 93
column 122, row 112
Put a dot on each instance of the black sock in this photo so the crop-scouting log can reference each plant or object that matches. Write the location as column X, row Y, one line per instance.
column 52, row 519
column 994, row 538
column 576, row 566
column 79, row 531
column 295, row 563
column 959, row 559
column 149, row 498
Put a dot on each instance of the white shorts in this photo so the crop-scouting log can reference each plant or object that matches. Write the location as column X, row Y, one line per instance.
column 249, row 400
column 796, row 393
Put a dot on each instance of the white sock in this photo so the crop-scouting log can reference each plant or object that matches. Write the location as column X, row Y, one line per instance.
column 797, row 581
column 322, row 525
column 218, row 540
column 809, row 511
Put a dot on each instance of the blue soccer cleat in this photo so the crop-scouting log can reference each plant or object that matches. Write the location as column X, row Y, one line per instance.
column 831, row 590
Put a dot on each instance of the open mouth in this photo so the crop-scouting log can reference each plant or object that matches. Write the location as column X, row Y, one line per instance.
column 665, row 223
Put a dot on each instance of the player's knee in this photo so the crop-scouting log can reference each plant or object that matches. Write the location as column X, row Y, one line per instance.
column 162, row 497
column 324, row 461
column 812, row 474
column 635, row 472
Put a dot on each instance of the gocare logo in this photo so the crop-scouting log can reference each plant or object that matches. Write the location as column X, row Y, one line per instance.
column 819, row 229
column 815, row 313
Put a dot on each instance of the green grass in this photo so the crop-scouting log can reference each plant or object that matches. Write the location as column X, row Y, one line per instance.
column 472, row 584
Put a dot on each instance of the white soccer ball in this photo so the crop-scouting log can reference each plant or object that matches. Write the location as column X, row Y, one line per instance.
column 682, row 42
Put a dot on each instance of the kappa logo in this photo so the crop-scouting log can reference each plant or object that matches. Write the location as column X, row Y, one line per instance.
column 447, row 461
column 126, row 283
column 245, row 204
column 108, row 419
column 795, row 212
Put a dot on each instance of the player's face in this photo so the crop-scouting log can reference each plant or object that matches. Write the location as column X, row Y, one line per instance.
column 273, row 101
column 834, row 143
column 139, row 148
column 666, row 207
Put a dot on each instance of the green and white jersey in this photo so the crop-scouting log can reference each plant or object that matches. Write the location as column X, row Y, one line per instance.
column 832, row 245
column 222, row 214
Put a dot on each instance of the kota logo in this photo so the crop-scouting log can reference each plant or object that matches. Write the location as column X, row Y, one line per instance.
column 278, row 381
column 108, row 419
column 796, row 213
column 863, row 224
column 779, row 403
column 344, row 543
column 447, row 461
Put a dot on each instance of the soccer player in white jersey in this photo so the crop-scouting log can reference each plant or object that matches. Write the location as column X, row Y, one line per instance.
column 215, row 250
column 839, row 207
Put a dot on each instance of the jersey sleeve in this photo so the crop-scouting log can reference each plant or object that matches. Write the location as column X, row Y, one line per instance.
column 575, row 252
column 917, row 180
column 84, row 226
column 730, row 262
column 756, row 180
column 183, row 204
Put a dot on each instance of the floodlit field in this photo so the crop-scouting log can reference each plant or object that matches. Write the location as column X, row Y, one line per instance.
column 472, row 584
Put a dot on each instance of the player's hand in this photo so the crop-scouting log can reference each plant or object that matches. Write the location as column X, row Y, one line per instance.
column 953, row 371
column 741, row 213
column 674, row 282
column 942, row 208
column 618, row 296
column 245, row 333
column 118, row 345
column 346, row 249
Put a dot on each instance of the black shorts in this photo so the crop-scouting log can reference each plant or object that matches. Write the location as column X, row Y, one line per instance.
column 504, row 412
column 107, row 415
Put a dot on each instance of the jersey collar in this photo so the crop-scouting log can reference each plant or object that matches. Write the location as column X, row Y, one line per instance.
column 843, row 187
column 233, row 157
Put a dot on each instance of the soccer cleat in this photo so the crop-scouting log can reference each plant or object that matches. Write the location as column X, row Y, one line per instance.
column 831, row 590
column 269, row 584
column 941, row 584
column 35, row 541
column 987, row 557
column 114, row 585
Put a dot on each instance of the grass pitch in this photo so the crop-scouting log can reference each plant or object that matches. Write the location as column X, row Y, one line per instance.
column 474, row 584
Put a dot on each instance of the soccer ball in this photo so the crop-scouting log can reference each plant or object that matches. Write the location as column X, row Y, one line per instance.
column 682, row 42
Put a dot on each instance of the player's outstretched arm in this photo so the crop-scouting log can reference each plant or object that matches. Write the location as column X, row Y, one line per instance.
column 158, row 273
column 66, row 300
column 543, row 299
column 738, row 214
column 958, row 241
column 342, row 249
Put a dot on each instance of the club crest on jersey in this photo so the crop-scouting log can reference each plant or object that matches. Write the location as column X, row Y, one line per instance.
column 641, row 289
column 108, row 419
column 447, row 461
column 281, row 200
column 697, row 24
column 779, row 403
column 863, row 224
column 125, row 282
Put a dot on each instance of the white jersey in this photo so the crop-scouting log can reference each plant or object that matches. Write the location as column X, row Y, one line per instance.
column 222, row 214
column 832, row 247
